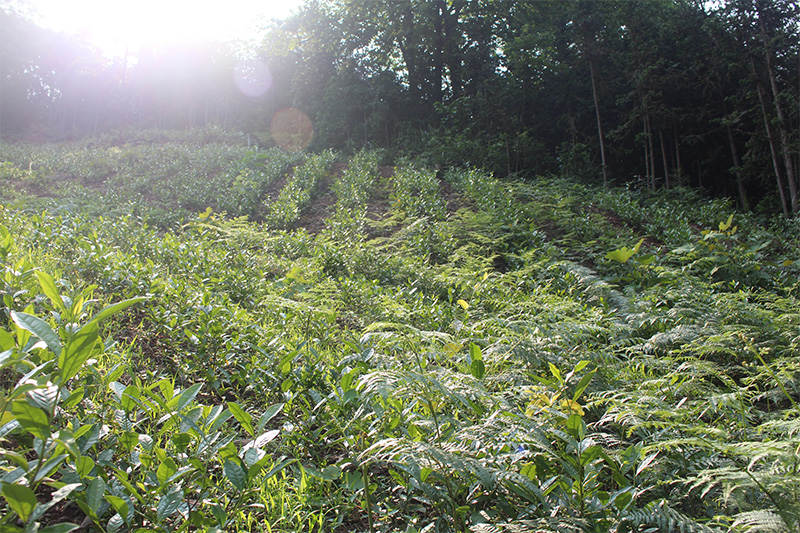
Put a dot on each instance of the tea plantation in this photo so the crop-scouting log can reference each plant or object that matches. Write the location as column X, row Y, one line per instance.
column 199, row 336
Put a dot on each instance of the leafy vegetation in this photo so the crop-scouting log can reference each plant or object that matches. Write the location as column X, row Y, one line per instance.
column 449, row 352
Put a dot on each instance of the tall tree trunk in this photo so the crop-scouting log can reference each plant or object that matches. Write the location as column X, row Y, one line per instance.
column 452, row 40
column 437, row 76
column 770, row 137
column 651, row 151
column 786, row 147
column 664, row 158
column 599, row 125
column 678, row 157
column 737, row 170
column 646, row 155
column 408, row 49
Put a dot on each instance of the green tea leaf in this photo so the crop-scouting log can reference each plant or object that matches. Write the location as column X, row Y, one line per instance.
column 44, row 397
column 583, row 384
column 128, row 439
column 129, row 397
column 113, row 309
column 219, row 515
column 234, row 473
column 269, row 414
column 475, row 352
column 64, row 527
column 424, row 473
column 16, row 458
column 186, row 396
column 84, row 466
column 39, row 328
column 119, row 505
column 590, row 454
column 94, row 493
column 623, row 499
column 529, row 471
column 79, row 348
column 262, row 440
column 122, row 477
column 168, row 504
column 7, row 343
column 576, row 427
column 556, row 372
column 115, row 524
column 166, row 470
column 20, row 499
column 49, row 467
column 33, row 419
column 477, row 369
column 242, row 416
column 50, row 290
column 182, row 441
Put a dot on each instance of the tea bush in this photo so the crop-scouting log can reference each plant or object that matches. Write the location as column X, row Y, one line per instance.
column 550, row 358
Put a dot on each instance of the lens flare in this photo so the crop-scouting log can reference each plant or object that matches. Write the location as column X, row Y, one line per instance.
column 291, row 129
column 252, row 78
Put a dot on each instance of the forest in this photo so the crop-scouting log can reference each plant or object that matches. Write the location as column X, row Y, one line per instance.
column 664, row 93
column 417, row 266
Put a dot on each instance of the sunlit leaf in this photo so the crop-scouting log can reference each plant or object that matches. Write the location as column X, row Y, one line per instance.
column 39, row 328
column 166, row 470
column 33, row 419
column 50, row 290
column 116, row 308
column 77, row 351
column 186, row 396
column 20, row 499
column 244, row 418
column 623, row 254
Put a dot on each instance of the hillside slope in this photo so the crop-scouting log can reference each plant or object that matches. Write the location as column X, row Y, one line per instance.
column 480, row 354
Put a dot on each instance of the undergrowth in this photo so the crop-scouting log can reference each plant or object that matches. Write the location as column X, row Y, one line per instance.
column 554, row 358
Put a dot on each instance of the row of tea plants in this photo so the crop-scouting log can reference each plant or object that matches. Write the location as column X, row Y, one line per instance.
column 551, row 357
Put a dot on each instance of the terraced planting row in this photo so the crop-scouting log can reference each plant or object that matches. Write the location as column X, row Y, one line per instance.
column 547, row 357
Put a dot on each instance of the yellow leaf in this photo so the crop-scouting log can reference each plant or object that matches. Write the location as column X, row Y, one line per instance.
column 453, row 347
column 725, row 225
column 6, row 418
column 572, row 405
column 463, row 304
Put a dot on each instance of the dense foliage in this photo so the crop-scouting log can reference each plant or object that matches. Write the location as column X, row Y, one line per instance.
column 385, row 348
column 666, row 92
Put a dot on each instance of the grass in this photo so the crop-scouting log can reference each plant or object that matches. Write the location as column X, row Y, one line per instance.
column 516, row 365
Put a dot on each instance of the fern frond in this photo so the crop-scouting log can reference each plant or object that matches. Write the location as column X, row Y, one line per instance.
column 762, row 521
column 665, row 518
column 543, row 525
column 447, row 460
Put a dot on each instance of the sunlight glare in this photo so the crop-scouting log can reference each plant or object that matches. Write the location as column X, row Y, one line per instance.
column 116, row 26
column 291, row 129
column 252, row 77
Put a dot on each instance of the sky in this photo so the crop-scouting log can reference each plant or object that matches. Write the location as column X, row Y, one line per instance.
column 115, row 26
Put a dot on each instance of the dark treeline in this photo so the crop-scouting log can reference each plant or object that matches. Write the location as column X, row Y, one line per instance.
column 665, row 92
